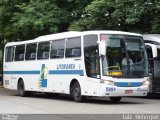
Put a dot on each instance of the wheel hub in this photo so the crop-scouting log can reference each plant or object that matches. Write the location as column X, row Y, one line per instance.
column 77, row 92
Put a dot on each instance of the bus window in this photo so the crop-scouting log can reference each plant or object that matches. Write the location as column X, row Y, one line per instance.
column 73, row 47
column 91, row 55
column 9, row 54
column 31, row 51
column 152, row 42
column 149, row 51
column 19, row 53
column 43, row 50
column 158, row 53
column 57, row 49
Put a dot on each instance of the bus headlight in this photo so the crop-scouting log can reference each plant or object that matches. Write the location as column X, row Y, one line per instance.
column 108, row 82
column 146, row 82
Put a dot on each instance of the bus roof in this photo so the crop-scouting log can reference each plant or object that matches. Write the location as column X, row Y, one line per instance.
column 70, row 34
column 152, row 37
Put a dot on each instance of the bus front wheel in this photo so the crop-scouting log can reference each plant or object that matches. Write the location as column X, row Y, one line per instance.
column 21, row 89
column 76, row 93
column 115, row 99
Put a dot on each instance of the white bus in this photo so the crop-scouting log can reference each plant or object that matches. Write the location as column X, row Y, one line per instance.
column 90, row 63
column 152, row 42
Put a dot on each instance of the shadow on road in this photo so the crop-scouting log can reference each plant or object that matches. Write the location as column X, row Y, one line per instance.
column 89, row 100
column 152, row 96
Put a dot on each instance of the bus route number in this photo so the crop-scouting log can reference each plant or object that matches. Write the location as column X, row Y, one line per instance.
column 110, row 89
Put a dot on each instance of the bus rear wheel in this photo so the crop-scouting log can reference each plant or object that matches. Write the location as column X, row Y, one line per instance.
column 21, row 89
column 76, row 93
column 115, row 99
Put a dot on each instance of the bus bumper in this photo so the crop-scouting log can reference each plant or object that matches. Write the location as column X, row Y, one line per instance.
column 124, row 91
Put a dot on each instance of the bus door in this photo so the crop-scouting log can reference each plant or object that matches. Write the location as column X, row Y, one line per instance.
column 154, row 67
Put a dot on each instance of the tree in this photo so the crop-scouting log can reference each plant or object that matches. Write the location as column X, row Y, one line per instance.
column 8, row 8
column 155, row 23
column 27, row 19
column 39, row 18
column 129, row 15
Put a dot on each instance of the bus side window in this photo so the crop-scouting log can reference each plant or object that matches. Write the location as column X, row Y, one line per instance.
column 149, row 51
column 9, row 54
column 57, row 49
column 73, row 47
column 43, row 50
column 19, row 53
column 158, row 54
column 150, row 55
column 31, row 51
column 91, row 55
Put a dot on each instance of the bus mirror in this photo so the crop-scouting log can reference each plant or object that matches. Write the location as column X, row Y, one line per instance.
column 102, row 48
column 153, row 48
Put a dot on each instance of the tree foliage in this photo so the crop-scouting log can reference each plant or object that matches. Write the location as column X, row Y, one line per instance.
column 128, row 15
column 40, row 17
column 27, row 19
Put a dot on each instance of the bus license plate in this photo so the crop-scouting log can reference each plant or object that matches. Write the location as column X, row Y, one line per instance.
column 128, row 91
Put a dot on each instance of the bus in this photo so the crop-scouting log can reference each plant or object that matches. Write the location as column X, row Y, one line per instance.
column 100, row 63
column 152, row 42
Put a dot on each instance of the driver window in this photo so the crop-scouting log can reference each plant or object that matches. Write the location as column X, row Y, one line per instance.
column 116, row 54
column 130, row 58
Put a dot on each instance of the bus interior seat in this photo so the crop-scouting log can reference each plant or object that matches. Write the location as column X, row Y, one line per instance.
column 32, row 55
column 75, row 52
column 60, row 53
column 45, row 55
column 21, row 56
column 57, row 53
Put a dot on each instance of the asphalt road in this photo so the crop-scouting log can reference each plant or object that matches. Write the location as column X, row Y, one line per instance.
column 10, row 102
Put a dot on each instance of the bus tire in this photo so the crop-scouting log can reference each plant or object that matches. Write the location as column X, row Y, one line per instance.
column 76, row 93
column 21, row 89
column 115, row 99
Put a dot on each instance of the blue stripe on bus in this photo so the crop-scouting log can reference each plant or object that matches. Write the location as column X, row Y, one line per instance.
column 21, row 72
column 60, row 72
column 128, row 84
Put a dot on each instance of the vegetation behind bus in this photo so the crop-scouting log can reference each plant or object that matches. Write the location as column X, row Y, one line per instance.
column 27, row 19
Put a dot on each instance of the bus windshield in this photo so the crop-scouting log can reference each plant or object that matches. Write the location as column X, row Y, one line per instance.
column 125, row 57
